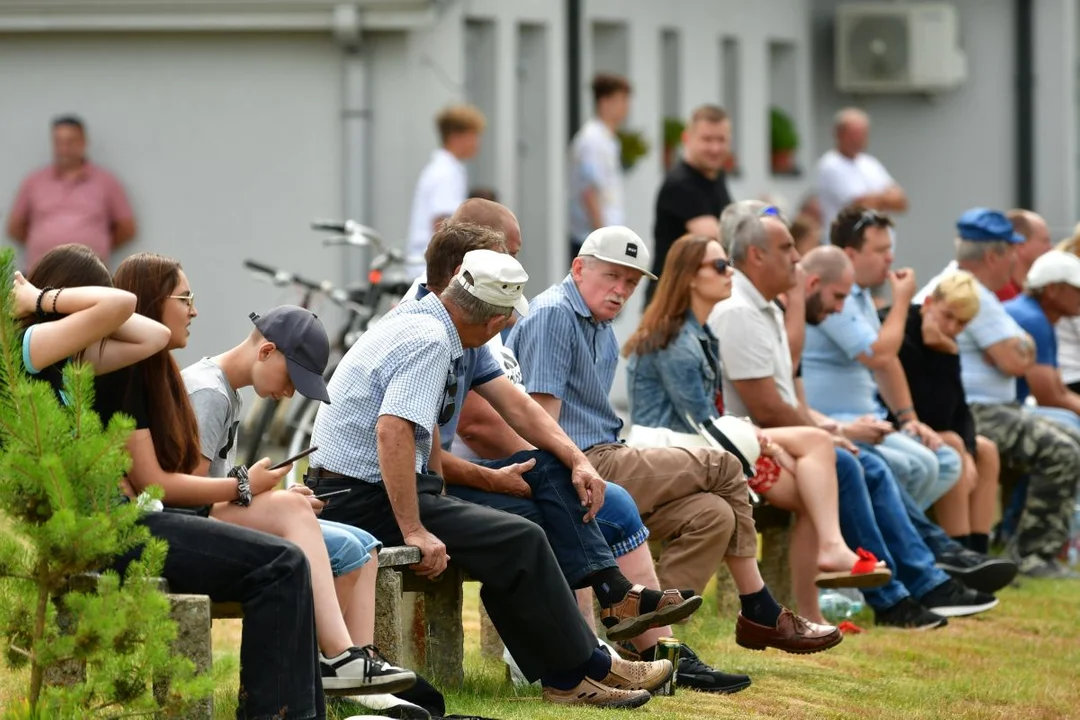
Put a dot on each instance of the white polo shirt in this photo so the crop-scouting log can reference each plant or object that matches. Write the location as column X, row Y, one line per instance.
column 840, row 180
column 442, row 187
column 595, row 161
column 753, row 344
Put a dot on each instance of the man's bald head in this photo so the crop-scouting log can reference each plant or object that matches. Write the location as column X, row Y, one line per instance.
column 489, row 214
column 852, row 128
column 828, row 262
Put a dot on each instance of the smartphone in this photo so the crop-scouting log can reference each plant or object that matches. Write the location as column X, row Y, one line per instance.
column 294, row 458
column 332, row 493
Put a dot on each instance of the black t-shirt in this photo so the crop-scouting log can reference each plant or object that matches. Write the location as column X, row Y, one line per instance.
column 937, row 392
column 117, row 392
column 685, row 195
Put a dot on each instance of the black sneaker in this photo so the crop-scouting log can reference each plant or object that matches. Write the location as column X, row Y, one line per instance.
column 977, row 571
column 909, row 615
column 696, row 675
column 952, row 599
column 362, row 671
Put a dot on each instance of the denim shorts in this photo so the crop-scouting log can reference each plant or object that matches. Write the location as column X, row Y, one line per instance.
column 349, row 547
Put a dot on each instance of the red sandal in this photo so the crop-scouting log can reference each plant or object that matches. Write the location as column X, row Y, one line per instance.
column 865, row 573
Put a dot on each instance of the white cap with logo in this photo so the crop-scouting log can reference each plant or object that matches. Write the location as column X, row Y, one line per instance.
column 496, row 278
column 619, row 245
column 1052, row 267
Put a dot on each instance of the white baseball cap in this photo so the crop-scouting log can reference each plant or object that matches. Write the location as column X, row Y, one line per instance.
column 619, row 245
column 1052, row 267
column 737, row 436
column 496, row 278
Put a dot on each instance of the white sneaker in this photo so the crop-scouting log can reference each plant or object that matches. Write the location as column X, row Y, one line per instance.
column 362, row 672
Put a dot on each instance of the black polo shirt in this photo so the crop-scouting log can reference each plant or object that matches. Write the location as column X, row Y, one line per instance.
column 685, row 195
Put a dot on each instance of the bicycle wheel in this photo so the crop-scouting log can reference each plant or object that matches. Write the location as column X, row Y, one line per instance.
column 301, row 440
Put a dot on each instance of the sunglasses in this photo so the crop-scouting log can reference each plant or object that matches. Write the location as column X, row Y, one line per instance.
column 449, row 407
column 869, row 217
column 769, row 211
column 720, row 265
column 188, row 299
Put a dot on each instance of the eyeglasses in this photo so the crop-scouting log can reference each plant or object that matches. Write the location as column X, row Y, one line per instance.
column 720, row 265
column 869, row 217
column 188, row 299
column 769, row 211
column 449, row 406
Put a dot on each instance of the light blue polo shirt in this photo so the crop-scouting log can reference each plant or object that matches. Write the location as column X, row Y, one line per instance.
column 836, row 383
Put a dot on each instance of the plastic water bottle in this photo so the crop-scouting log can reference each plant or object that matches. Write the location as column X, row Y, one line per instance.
column 836, row 606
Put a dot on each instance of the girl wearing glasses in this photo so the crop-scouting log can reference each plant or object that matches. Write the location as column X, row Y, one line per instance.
column 674, row 374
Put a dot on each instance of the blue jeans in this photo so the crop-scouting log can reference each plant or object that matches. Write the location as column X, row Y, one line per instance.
column 871, row 517
column 349, row 547
column 580, row 548
column 924, row 473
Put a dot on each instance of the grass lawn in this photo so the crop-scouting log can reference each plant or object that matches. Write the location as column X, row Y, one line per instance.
column 1019, row 661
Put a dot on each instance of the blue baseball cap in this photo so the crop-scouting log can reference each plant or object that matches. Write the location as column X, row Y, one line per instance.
column 983, row 224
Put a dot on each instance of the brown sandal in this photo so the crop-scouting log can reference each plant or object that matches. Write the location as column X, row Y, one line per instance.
column 625, row 620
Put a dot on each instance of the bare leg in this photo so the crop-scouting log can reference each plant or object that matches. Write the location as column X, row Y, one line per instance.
column 360, row 610
column 984, row 498
column 802, row 554
column 952, row 510
column 744, row 571
column 288, row 515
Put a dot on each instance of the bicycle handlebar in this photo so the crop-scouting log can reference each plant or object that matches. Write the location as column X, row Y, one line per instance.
column 349, row 232
column 339, row 297
column 331, row 225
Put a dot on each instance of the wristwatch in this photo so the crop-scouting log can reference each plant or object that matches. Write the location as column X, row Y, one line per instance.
column 243, row 487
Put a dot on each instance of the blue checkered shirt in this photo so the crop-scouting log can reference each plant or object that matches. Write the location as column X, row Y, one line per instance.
column 398, row 367
column 565, row 353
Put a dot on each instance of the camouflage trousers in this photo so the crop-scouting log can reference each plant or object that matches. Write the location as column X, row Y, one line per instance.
column 1049, row 454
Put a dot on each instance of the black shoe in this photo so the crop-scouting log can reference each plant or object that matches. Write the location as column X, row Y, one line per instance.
column 977, row 571
column 952, row 599
column 910, row 615
column 696, row 675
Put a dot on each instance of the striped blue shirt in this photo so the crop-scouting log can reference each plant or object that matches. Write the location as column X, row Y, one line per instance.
column 401, row 366
column 565, row 353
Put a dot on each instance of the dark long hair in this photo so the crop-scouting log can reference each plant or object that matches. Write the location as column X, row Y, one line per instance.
column 70, row 265
column 667, row 312
column 152, row 278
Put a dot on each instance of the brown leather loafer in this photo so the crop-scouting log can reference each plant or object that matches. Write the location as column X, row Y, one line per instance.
column 626, row 675
column 792, row 634
column 624, row 619
column 590, row 692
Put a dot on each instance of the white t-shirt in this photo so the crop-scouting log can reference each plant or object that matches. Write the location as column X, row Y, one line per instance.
column 841, row 179
column 443, row 185
column 1067, row 330
column 595, row 161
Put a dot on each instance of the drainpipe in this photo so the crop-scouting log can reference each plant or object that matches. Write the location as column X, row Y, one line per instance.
column 356, row 129
column 573, row 65
column 1025, row 103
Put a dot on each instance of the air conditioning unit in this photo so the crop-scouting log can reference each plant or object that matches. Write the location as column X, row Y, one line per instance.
column 898, row 47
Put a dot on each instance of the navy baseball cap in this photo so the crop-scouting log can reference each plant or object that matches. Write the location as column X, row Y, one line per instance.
column 985, row 225
column 301, row 338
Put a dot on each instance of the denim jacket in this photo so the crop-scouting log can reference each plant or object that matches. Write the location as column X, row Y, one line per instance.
column 681, row 379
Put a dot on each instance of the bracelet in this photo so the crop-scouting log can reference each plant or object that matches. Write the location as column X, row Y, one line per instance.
column 40, row 297
column 243, row 487
column 905, row 411
column 55, row 298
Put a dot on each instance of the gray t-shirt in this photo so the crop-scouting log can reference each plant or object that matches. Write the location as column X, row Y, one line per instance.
column 217, row 410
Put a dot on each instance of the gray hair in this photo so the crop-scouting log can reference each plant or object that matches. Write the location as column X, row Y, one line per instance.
column 975, row 251
column 741, row 226
column 474, row 310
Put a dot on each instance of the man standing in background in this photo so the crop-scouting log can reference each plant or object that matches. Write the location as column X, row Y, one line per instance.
column 848, row 175
column 443, row 183
column 70, row 201
column 596, row 187
column 695, row 191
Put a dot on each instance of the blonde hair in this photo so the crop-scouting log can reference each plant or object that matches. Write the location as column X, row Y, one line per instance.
column 959, row 290
column 1071, row 245
column 459, row 119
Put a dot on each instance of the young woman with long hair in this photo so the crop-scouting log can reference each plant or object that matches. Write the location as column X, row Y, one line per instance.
column 77, row 316
column 168, row 454
column 674, row 381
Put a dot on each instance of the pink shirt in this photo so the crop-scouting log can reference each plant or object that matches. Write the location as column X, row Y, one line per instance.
column 80, row 209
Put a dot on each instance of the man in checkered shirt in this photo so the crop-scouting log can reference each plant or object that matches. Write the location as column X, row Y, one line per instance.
column 390, row 392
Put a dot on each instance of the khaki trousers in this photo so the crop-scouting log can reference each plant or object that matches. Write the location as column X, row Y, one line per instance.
column 693, row 499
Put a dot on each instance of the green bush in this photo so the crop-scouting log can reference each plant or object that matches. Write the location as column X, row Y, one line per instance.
column 783, row 136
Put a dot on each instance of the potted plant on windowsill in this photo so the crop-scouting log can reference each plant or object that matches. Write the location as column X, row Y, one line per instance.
column 634, row 146
column 784, row 141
